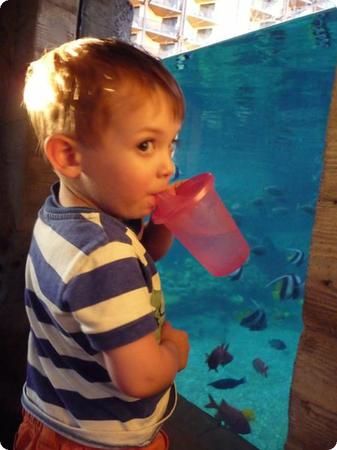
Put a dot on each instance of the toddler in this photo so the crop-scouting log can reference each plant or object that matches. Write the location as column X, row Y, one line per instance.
column 101, row 357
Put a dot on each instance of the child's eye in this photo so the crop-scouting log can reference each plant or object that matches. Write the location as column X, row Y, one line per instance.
column 145, row 146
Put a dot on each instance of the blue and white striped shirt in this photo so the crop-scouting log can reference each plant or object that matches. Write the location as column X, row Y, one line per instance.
column 90, row 287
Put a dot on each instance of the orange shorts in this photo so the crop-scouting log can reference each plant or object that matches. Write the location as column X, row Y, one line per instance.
column 34, row 435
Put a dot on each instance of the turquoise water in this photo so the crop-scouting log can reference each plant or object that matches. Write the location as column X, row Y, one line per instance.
column 257, row 109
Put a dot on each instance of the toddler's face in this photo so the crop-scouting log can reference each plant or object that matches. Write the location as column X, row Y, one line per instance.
column 134, row 160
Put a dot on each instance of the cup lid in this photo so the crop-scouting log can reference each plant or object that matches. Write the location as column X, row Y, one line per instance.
column 185, row 195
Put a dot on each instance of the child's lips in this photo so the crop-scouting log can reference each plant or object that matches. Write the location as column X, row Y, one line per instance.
column 154, row 196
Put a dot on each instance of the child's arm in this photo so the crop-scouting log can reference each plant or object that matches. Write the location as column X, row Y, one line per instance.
column 157, row 239
column 144, row 368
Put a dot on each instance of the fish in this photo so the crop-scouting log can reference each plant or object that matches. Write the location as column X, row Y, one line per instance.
column 258, row 202
column 260, row 324
column 309, row 209
column 183, row 57
column 218, row 356
column 227, row 383
column 181, row 60
column 233, row 418
column 290, row 286
column 260, row 366
column 297, row 256
column 321, row 32
column 278, row 344
column 280, row 210
column 180, row 66
column 255, row 321
column 236, row 274
column 259, row 250
column 274, row 190
column 249, row 414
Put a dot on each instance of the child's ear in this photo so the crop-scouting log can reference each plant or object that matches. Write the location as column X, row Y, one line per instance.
column 64, row 155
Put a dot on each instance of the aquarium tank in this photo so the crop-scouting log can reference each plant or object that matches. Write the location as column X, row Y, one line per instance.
column 256, row 117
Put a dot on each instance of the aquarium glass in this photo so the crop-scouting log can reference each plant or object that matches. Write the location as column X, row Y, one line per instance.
column 257, row 110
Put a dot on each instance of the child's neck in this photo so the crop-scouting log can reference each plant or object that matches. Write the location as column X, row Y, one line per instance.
column 68, row 197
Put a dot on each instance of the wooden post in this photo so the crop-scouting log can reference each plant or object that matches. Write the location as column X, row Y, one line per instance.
column 313, row 401
column 106, row 18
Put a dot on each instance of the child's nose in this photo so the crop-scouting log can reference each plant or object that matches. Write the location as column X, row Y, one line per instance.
column 167, row 167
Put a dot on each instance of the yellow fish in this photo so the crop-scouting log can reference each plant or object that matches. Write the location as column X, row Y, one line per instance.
column 249, row 414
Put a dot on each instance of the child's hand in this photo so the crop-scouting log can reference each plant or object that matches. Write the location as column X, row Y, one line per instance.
column 180, row 340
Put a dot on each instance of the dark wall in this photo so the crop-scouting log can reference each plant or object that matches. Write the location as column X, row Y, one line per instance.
column 26, row 29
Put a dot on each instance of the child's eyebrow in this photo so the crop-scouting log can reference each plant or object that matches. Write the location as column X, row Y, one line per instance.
column 154, row 131
column 151, row 130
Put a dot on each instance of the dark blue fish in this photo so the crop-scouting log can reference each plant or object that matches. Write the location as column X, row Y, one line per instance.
column 218, row 356
column 232, row 417
column 258, row 202
column 308, row 208
column 291, row 286
column 278, row 344
column 227, row 383
column 320, row 31
column 255, row 321
column 297, row 257
column 259, row 250
column 236, row 274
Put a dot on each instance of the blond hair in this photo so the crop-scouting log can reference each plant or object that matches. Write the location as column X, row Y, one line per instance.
column 76, row 88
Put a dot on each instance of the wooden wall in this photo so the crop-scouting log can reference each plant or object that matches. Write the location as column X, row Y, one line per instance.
column 313, row 400
column 26, row 29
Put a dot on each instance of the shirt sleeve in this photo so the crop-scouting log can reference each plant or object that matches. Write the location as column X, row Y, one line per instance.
column 110, row 299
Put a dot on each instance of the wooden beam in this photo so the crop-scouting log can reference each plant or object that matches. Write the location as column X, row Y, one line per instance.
column 106, row 18
column 313, row 400
column 26, row 29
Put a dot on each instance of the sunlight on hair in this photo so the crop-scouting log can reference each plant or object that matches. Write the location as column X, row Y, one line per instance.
column 38, row 91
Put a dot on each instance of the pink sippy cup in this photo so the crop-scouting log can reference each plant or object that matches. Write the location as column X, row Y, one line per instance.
column 197, row 217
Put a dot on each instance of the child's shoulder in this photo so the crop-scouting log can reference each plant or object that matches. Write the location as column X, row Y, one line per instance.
column 85, row 230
